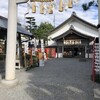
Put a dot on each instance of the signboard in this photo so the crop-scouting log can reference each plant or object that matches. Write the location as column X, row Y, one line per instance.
column 72, row 42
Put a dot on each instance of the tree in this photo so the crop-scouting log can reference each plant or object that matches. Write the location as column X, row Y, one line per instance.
column 86, row 6
column 42, row 31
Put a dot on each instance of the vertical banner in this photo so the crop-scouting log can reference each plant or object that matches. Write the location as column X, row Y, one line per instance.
column 41, row 54
column 42, row 46
column 26, row 47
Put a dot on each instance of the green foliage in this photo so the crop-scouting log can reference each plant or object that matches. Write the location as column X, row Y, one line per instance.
column 42, row 31
column 90, row 3
column 86, row 6
column 35, row 61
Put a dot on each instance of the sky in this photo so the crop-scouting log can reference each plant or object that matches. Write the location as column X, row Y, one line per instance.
column 57, row 17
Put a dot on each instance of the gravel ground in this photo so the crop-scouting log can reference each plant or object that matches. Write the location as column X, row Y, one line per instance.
column 59, row 79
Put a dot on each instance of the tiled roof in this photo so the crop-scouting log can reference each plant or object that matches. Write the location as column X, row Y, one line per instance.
column 75, row 17
column 20, row 29
column 72, row 29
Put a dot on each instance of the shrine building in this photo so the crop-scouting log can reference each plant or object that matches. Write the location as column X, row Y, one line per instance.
column 73, row 38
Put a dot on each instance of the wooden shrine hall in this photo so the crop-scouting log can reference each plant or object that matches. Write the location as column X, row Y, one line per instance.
column 73, row 38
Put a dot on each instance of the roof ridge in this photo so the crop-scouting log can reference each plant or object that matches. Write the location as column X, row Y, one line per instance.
column 72, row 29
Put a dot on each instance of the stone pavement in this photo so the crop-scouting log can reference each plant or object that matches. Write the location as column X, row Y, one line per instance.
column 59, row 79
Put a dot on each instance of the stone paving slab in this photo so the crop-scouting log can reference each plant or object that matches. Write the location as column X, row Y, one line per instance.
column 59, row 79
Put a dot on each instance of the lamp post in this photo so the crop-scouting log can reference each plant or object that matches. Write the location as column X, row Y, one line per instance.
column 10, row 78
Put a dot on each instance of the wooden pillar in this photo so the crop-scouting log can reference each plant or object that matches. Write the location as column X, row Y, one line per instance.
column 88, row 49
column 85, row 51
column 5, row 43
column 63, row 47
column 57, row 50
column 62, row 50
column 20, row 51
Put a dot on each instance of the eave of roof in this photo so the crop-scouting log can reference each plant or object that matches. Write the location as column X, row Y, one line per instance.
column 20, row 29
column 72, row 29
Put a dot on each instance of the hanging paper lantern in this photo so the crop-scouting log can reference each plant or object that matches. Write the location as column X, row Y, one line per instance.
column 34, row 8
column 50, row 10
column 41, row 8
column 61, row 6
column 70, row 3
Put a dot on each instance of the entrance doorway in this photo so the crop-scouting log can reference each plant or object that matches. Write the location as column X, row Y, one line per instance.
column 74, row 51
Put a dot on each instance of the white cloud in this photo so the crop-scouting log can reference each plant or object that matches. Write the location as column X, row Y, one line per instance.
column 91, row 15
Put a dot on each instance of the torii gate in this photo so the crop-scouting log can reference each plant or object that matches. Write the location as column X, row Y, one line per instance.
column 10, row 78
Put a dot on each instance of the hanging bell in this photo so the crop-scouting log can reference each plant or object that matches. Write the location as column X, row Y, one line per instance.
column 50, row 9
column 42, row 8
column 60, row 6
column 70, row 3
column 34, row 8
